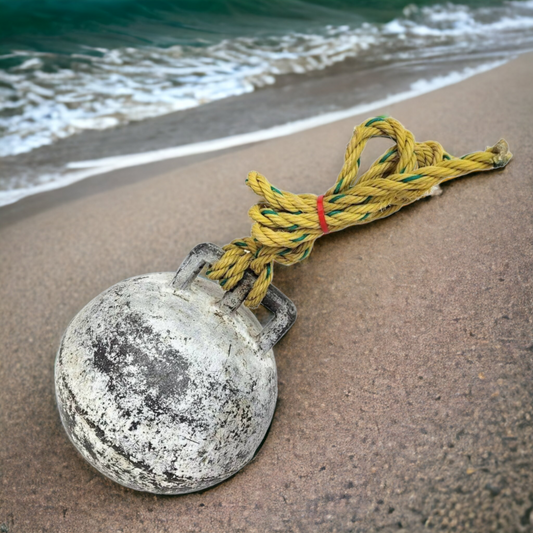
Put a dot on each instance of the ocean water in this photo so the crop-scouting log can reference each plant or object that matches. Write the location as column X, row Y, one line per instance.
column 71, row 66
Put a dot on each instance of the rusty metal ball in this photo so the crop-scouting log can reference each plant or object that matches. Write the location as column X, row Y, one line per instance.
column 161, row 391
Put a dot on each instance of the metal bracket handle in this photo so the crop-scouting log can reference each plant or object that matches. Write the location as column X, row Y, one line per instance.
column 283, row 309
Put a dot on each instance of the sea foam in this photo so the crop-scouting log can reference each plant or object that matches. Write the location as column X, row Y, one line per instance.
column 80, row 170
column 48, row 97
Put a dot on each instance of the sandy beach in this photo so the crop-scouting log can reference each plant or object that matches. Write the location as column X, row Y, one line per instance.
column 405, row 387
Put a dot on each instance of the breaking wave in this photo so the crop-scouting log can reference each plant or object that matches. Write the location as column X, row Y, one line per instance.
column 45, row 96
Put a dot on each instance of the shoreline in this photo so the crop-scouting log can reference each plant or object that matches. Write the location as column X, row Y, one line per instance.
column 294, row 103
column 80, row 97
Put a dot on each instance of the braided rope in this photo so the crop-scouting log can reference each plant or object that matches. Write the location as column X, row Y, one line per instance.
column 286, row 225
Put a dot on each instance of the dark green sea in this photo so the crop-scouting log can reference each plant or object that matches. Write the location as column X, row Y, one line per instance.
column 70, row 66
column 66, row 26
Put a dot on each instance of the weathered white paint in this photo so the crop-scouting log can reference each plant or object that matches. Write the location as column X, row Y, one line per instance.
column 160, row 389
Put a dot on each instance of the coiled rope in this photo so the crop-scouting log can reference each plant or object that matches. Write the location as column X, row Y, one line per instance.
column 286, row 225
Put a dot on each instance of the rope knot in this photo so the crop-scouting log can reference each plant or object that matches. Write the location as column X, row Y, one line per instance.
column 286, row 225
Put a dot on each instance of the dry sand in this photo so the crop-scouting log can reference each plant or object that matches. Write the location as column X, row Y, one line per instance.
column 405, row 385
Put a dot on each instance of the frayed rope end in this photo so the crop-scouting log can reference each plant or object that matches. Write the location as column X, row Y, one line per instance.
column 502, row 153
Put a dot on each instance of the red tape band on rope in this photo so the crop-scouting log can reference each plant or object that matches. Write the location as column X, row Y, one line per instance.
column 321, row 215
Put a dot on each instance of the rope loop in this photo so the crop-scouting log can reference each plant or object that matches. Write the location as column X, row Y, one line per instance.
column 286, row 225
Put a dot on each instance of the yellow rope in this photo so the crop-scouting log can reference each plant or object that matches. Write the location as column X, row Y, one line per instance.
column 286, row 225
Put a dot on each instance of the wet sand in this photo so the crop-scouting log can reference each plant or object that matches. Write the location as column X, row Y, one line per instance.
column 293, row 97
column 405, row 387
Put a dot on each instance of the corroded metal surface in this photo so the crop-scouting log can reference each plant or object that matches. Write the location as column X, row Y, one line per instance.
column 282, row 308
column 161, row 389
